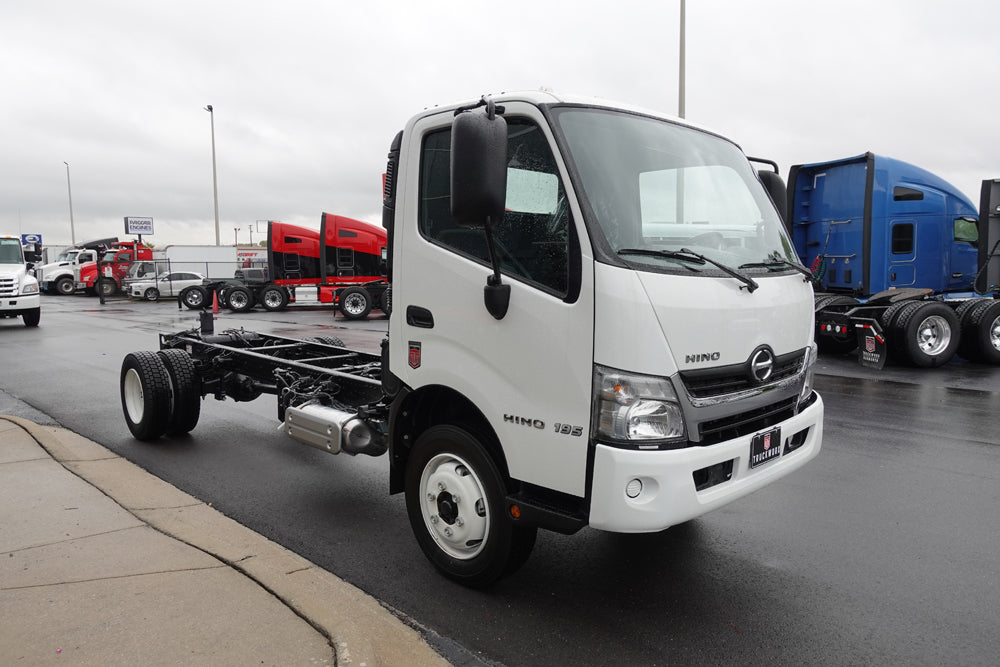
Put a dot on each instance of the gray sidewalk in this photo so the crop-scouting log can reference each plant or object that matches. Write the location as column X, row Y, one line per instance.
column 102, row 563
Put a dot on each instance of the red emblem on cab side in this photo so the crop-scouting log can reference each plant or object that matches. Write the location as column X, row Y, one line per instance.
column 414, row 356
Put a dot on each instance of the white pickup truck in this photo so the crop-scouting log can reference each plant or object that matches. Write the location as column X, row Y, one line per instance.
column 18, row 288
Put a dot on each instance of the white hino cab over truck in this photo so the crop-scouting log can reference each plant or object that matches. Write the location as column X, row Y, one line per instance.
column 18, row 288
column 598, row 320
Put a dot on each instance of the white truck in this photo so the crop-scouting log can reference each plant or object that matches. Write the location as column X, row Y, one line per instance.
column 59, row 276
column 18, row 289
column 598, row 320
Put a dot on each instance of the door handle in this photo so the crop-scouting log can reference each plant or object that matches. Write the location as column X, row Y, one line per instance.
column 417, row 316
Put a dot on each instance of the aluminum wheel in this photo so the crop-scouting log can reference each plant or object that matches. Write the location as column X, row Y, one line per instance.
column 455, row 509
column 933, row 335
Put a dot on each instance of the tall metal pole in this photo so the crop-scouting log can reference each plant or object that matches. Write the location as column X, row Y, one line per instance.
column 69, row 189
column 681, row 76
column 215, row 181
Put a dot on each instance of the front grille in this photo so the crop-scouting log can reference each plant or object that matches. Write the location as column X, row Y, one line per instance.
column 710, row 382
column 746, row 423
column 8, row 286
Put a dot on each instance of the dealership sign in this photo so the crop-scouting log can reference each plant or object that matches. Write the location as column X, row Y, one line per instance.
column 138, row 226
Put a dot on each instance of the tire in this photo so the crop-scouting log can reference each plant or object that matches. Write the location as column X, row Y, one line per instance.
column 185, row 391
column 151, row 294
column 32, row 317
column 145, row 392
column 385, row 302
column 328, row 340
column 455, row 500
column 927, row 333
column 106, row 286
column 981, row 333
column 355, row 303
column 273, row 298
column 65, row 286
column 194, row 297
column 240, row 299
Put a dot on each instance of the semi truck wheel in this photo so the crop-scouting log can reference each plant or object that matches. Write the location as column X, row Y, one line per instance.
column 240, row 299
column 927, row 333
column 65, row 286
column 981, row 333
column 185, row 391
column 273, row 298
column 355, row 303
column 455, row 497
column 194, row 297
column 106, row 286
column 145, row 392
column 32, row 317
column 385, row 303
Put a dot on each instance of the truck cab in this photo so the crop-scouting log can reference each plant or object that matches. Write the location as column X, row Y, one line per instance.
column 110, row 277
column 597, row 311
column 18, row 288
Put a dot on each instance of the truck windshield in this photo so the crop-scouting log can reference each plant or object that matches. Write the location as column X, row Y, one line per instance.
column 655, row 186
column 10, row 252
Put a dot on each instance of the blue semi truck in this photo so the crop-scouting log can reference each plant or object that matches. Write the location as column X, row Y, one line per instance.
column 904, row 266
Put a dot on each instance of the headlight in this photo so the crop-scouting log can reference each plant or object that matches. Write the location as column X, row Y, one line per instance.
column 636, row 410
column 807, row 386
column 30, row 287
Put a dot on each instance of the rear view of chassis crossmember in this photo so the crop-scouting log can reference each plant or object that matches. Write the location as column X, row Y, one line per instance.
column 329, row 397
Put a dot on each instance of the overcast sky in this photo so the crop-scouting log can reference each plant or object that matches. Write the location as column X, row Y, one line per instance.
column 308, row 94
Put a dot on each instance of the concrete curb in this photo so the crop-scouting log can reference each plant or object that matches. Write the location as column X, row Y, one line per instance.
column 361, row 631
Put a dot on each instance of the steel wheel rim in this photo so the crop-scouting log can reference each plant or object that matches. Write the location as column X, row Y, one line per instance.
column 354, row 304
column 193, row 298
column 933, row 335
column 134, row 397
column 454, row 506
column 995, row 333
column 272, row 298
column 238, row 299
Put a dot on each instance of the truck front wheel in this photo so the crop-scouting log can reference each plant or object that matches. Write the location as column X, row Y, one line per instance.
column 145, row 392
column 928, row 333
column 194, row 297
column 106, row 287
column 455, row 497
column 32, row 317
column 273, row 298
column 65, row 286
column 355, row 303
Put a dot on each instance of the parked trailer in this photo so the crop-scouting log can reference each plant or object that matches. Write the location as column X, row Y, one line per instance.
column 905, row 266
column 532, row 378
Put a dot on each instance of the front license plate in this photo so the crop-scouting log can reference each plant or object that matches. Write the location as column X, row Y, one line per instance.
column 764, row 447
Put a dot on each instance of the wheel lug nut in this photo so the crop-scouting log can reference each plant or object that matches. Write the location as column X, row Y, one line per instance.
column 447, row 531
column 440, row 486
column 459, row 522
column 434, row 518
column 455, row 498
column 431, row 496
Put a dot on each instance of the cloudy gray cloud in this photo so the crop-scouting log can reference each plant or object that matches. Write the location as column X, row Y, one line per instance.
column 308, row 94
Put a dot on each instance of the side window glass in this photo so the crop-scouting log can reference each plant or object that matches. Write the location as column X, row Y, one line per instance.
column 966, row 230
column 902, row 239
column 533, row 239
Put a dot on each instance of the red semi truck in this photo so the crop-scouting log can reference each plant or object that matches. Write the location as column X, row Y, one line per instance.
column 110, row 276
column 344, row 261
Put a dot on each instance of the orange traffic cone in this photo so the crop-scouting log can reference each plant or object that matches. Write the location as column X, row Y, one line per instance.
column 215, row 302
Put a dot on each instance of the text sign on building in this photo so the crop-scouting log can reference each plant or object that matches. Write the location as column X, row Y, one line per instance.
column 138, row 225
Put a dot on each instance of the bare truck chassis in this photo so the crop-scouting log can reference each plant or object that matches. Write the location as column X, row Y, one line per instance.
column 329, row 397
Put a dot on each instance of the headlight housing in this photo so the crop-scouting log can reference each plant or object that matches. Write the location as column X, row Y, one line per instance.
column 810, row 368
column 30, row 287
column 636, row 411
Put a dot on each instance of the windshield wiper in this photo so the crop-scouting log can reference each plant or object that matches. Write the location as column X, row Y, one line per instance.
column 776, row 263
column 695, row 258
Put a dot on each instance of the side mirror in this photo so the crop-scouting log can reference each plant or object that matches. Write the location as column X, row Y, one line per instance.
column 478, row 168
column 775, row 187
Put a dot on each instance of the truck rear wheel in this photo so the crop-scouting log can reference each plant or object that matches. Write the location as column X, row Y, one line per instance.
column 185, row 391
column 981, row 332
column 106, row 287
column 240, row 299
column 355, row 303
column 194, row 297
column 927, row 333
column 455, row 497
column 65, row 286
column 273, row 298
column 145, row 392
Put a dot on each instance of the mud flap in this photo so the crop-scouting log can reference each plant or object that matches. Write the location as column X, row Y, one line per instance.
column 871, row 343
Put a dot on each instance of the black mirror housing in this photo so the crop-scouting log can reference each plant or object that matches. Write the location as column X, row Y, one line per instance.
column 478, row 169
column 775, row 187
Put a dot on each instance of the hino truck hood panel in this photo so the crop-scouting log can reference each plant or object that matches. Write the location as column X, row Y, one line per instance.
column 660, row 324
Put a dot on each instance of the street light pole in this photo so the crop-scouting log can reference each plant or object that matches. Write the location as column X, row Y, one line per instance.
column 215, row 182
column 250, row 229
column 681, row 75
column 69, row 189
column 236, row 237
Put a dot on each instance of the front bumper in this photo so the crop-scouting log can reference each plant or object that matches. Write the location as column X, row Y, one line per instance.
column 15, row 305
column 668, row 494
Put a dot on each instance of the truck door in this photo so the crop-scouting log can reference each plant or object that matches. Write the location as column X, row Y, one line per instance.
column 530, row 373
column 902, row 235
